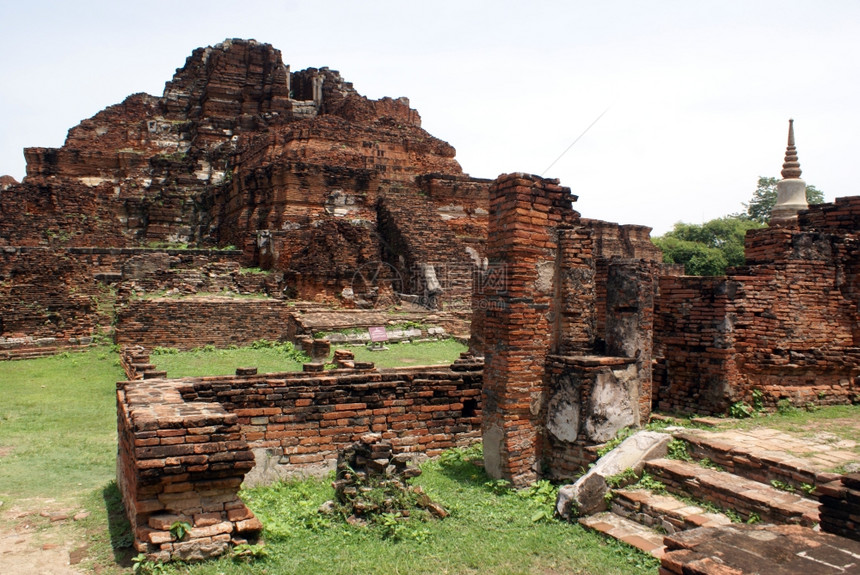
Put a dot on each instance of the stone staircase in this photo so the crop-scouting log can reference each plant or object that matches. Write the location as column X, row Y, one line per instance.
column 703, row 493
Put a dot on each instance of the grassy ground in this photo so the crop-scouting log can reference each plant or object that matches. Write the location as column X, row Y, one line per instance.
column 210, row 361
column 58, row 424
column 799, row 420
column 490, row 531
column 830, row 424
column 274, row 358
column 406, row 354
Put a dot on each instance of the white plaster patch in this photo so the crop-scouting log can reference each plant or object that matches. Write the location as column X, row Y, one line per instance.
column 545, row 273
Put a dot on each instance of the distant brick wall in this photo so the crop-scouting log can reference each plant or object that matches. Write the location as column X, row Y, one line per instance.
column 46, row 293
column 186, row 445
column 186, row 323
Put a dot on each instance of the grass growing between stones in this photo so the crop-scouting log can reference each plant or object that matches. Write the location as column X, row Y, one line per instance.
column 491, row 530
column 58, row 424
column 838, row 421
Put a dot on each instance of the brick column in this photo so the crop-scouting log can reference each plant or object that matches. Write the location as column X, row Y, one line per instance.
column 516, row 297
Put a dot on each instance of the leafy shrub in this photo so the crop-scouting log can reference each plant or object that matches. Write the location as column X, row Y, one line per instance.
column 740, row 410
column 679, row 449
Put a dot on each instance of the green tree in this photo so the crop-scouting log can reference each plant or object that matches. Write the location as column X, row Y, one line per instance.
column 764, row 198
column 707, row 249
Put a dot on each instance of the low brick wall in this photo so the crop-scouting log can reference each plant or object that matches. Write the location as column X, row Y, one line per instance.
column 185, row 445
column 186, row 323
column 181, row 461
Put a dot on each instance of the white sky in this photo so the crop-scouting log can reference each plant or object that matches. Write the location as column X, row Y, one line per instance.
column 699, row 91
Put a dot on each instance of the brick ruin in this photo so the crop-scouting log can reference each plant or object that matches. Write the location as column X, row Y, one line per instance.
column 295, row 171
column 580, row 342
column 186, row 445
column 247, row 179
column 784, row 324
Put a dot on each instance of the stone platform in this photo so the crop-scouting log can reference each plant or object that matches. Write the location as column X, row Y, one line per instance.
column 765, row 550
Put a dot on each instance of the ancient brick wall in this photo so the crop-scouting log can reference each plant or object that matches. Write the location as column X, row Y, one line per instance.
column 318, row 261
column 603, row 382
column 186, row 323
column 614, row 241
column 414, row 237
column 181, row 461
column 44, row 293
column 186, row 445
column 785, row 325
column 112, row 260
column 694, row 344
column 463, row 204
column 556, row 382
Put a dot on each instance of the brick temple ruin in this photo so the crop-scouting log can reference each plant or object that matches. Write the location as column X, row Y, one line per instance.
column 157, row 209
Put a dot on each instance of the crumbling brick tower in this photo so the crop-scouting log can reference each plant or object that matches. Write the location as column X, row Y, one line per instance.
column 564, row 317
column 515, row 300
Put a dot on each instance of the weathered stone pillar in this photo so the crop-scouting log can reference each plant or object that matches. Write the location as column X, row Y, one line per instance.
column 516, row 296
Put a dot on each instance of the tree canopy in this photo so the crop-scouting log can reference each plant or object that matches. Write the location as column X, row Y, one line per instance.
column 707, row 249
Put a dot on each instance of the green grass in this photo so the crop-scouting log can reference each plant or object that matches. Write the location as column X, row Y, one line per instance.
column 212, row 361
column 441, row 352
column 842, row 421
column 58, row 424
column 490, row 531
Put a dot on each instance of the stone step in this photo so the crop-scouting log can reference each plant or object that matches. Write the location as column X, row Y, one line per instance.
column 728, row 491
column 623, row 529
column 663, row 511
column 755, row 463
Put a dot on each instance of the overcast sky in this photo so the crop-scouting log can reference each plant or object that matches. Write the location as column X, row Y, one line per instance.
column 697, row 94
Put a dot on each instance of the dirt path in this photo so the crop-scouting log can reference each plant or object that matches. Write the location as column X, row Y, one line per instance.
column 34, row 540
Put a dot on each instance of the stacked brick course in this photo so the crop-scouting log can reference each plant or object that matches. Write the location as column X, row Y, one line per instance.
column 181, row 461
column 840, row 506
column 186, row 323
